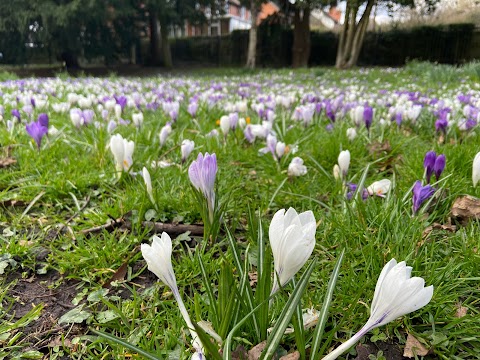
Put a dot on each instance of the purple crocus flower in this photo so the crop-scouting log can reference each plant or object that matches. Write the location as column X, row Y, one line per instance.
column 420, row 194
column 88, row 115
column 192, row 108
column 37, row 131
column 352, row 187
column 441, row 125
column 43, row 120
column 439, row 166
column 16, row 113
column 249, row 134
column 330, row 112
column 202, row 173
column 368, row 116
column 399, row 118
column 233, row 119
column 429, row 163
column 121, row 100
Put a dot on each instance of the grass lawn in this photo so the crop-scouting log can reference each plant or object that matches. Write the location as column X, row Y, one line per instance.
column 71, row 228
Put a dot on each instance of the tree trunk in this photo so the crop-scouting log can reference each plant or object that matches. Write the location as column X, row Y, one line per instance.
column 352, row 35
column 301, row 37
column 166, row 53
column 252, row 36
column 154, row 38
column 360, row 35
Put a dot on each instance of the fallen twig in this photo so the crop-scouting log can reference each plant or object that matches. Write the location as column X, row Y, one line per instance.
column 176, row 229
column 151, row 226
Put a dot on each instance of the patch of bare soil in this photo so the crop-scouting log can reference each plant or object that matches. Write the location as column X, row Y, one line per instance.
column 55, row 294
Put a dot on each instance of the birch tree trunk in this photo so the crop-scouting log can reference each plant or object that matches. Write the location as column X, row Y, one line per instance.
column 252, row 36
column 301, row 37
column 352, row 35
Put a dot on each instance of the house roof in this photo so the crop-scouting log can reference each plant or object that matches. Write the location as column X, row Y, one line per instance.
column 267, row 9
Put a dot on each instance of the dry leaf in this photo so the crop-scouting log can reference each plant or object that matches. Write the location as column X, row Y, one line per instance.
column 466, row 208
column 5, row 162
column 414, row 347
column 240, row 353
column 118, row 275
column 438, row 226
column 292, row 356
column 25, row 243
column 255, row 352
column 379, row 149
column 59, row 341
column 461, row 311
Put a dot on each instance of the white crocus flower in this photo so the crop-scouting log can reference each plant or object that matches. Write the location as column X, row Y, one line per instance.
column 122, row 151
column 166, row 130
column 292, row 239
column 351, row 134
column 296, row 167
column 137, row 119
column 357, row 115
column 159, row 260
column 476, row 169
column 76, row 117
column 186, row 148
column 280, row 149
column 118, row 111
column 344, row 162
column 148, row 184
column 225, row 125
column 336, row 172
column 396, row 294
column 379, row 188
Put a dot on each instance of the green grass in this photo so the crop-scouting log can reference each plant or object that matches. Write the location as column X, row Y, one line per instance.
column 73, row 178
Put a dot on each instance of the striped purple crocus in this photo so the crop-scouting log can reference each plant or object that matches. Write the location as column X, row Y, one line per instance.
column 202, row 173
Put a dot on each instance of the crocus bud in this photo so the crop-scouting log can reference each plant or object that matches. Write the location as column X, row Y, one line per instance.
column 280, row 149
column 148, row 184
column 351, row 134
column 439, row 165
column 344, row 162
column 122, row 151
column 202, row 173
column 137, row 119
column 166, row 130
column 336, row 172
column 186, row 148
column 225, row 125
column 429, row 163
column 476, row 169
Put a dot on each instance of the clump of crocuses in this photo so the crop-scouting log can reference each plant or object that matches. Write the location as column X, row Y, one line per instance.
column 434, row 164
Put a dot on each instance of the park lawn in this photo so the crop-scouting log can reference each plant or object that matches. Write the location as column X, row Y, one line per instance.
column 55, row 261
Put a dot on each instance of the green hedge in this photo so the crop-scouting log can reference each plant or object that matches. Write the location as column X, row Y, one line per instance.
column 449, row 44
